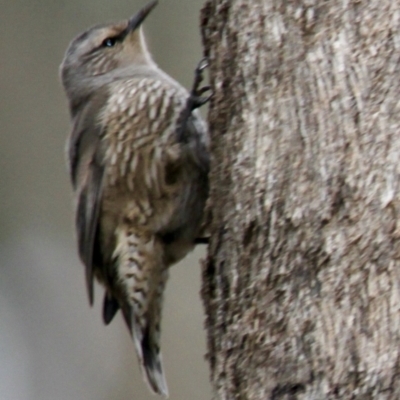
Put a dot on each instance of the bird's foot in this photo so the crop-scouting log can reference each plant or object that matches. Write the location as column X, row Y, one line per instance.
column 196, row 98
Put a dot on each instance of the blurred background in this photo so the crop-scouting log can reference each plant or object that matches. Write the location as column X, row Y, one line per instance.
column 53, row 346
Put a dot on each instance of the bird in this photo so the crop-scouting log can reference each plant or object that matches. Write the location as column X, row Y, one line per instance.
column 138, row 158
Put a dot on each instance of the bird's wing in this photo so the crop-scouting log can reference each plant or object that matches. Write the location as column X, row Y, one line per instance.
column 86, row 162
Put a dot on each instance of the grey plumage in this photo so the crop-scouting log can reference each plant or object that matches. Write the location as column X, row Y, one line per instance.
column 138, row 159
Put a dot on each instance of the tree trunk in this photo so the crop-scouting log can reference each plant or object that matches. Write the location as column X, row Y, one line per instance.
column 301, row 285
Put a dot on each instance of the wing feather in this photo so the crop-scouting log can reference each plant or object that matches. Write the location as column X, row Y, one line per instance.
column 86, row 162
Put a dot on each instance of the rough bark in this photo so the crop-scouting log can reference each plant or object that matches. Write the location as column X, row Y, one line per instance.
column 301, row 285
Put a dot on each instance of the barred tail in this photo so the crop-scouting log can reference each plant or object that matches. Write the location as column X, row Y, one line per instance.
column 151, row 360
column 146, row 336
column 142, row 276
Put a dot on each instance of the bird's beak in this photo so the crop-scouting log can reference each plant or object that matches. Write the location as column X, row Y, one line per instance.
column 140, row 16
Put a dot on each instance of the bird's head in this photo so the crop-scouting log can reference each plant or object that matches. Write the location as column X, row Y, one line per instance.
column 105, row 50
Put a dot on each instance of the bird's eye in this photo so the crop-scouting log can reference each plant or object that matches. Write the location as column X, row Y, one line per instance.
column 109, row 42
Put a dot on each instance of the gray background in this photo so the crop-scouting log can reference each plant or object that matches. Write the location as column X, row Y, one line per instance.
column 52, row 345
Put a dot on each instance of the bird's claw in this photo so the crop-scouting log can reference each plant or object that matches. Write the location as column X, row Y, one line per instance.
column 196, row 95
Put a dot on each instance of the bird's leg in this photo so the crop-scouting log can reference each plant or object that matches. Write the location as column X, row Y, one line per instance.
column 196, row 98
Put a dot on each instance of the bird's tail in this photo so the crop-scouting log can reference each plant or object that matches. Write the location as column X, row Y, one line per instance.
column 145, row 330
column 142, row 277
column 152, row 365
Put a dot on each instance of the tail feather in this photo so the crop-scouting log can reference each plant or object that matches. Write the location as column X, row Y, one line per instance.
column 152, row 365
column 142, row 279
column 148, row 353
